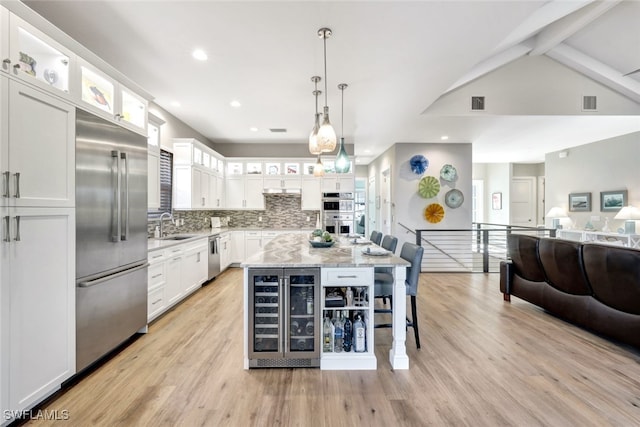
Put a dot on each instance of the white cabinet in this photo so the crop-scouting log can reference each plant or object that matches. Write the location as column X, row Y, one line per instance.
column 35, row 58
column 173, row 286
column 198, row 181
column 311, row 193
column 244, row 192
column 360, row 280
column 338, row 182
column 225, row 251
column 37, row 161
column 156, row 281
column 196, row 266
column 38, row 303
column 106, row 97
column 237, row 246
column 252, row 243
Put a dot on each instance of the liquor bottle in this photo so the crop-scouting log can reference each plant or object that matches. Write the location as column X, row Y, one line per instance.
column 338, row 334
column 310, row 303
column 359, row 335
column 348, row 332
column 327, row 334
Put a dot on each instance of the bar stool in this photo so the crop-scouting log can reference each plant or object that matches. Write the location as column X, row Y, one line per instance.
column 383, row 286
column 376, row 237
column 389, row 243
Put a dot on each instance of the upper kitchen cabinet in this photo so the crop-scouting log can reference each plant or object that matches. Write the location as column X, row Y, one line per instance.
column 285, row 175
column 107, row 97
column 37, row 162
column 342, row 183
column 198, row 175
column 34, row 57
column 244, row 185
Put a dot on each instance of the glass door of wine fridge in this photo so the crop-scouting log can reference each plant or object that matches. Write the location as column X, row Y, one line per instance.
column 283, row 317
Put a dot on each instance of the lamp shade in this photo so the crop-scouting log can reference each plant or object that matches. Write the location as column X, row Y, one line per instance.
column 342, row 160
column 327, row 139
column 628, row 212
column 557, row 212
column 314, row 147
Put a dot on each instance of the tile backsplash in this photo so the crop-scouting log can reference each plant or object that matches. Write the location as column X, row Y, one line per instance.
column 281, row 211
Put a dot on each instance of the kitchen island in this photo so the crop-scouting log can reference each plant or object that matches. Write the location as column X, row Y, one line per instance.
column 345, row 265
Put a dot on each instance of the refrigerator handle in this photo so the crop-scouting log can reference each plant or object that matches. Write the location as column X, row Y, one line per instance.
column 115, row 210
column 125, row 210
column 94, row 282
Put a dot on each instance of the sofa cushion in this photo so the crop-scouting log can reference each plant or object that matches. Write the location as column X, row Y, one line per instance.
column 523, row 251
column 562, row 264
column 614, row 275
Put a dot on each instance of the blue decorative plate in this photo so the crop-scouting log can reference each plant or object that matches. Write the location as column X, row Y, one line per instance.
column 419, row 164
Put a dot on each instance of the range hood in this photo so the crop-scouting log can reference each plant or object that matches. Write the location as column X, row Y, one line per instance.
column 292, row 191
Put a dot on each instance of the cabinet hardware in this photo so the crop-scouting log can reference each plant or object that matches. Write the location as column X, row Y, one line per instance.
column 5, row 63
column 347, row 277
column 6, row 177
column 16, row 67
column 157, row 256
column 17, row 238
column 156, row 301
column 7, row 230
column 157, row 275
column 17, row 175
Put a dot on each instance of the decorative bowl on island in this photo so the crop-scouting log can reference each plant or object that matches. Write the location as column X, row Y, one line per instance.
column 321, row 244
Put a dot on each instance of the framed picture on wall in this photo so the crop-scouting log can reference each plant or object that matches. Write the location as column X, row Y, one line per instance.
column 613, row 201
column 496, row 201
column 580, row 202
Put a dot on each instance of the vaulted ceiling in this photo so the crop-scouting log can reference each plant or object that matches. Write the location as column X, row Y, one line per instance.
column 409, row 67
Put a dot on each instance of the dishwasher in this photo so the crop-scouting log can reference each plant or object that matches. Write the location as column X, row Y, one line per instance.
column 214, row 256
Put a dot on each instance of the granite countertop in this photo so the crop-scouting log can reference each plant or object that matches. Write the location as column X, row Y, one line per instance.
column 294, row 250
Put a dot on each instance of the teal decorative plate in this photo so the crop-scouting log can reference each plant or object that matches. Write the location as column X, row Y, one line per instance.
column 453, row 198
column 448, row 173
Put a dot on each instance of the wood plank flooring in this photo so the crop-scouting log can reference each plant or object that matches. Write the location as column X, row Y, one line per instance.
column 483, row 362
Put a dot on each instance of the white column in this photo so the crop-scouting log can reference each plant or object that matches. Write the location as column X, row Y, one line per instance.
column 398, row 353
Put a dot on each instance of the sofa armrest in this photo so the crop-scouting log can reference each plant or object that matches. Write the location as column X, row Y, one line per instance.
column 506, row 279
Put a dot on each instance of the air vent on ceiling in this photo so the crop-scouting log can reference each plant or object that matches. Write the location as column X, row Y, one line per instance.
column 589, row 103
column 278, row 130
column 477, row 103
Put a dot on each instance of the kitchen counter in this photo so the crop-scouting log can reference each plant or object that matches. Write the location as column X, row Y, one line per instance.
column 294, row 250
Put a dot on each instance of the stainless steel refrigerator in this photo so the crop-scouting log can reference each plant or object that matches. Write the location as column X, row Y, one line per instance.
column 111, row 236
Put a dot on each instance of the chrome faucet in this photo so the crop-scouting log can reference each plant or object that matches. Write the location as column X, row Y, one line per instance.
column 162, row 222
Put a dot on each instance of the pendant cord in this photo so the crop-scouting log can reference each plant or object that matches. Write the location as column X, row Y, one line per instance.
column 342, row 116
column 324, row 38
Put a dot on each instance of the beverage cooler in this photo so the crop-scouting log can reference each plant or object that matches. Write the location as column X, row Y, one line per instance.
column 284, row 328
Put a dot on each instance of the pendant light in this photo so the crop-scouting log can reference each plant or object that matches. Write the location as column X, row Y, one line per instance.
column 318, row 168
column 314, row 148
column 342, row 160
column 326, row 133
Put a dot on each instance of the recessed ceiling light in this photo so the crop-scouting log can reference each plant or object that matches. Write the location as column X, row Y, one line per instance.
column 199, row 54
column 253, row 129
column 235, row 104
column 444, row 137
column 175, row 103
column 367, row 151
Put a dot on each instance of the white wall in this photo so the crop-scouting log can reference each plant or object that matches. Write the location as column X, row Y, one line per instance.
column 607, row 165
column 497, row 179
column 174, row 128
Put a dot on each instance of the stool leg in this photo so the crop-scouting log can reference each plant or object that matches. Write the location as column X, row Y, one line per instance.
column 414, row 320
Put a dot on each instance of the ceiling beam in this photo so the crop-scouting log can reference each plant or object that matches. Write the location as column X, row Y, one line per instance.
column 596, row 70
column 558, row 31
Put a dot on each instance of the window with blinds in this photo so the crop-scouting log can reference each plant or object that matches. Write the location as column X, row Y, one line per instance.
column 166, row 180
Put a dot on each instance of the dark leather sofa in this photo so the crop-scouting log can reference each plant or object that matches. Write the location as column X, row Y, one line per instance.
column 591, row 285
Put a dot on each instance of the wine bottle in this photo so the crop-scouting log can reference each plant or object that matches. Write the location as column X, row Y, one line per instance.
column 359, row 335
column 348, row 332
column 327, row 334
column 338, row 334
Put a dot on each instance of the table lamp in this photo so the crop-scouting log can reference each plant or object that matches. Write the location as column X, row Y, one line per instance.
column 555, row 214
column 629, row 214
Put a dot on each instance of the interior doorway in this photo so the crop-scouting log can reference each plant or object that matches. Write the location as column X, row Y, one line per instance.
column 523, row 199
column 385, row 209
column 371, row 206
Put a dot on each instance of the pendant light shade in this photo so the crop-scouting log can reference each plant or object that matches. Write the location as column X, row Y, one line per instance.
column 314, row 146
column 342, row 160
column 326, row 134
column 318, row 168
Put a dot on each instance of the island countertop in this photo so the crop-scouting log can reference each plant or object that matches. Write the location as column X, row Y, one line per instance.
column 294, row 250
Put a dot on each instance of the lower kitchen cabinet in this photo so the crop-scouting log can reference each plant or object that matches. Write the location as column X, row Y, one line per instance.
column 174, row 273
column 37, row 300
column 237, row 246
column 225, row 251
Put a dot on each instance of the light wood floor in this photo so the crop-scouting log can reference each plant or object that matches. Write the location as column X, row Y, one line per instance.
column 483, row 362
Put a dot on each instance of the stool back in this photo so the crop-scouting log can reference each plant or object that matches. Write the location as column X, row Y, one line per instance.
column 412, row 253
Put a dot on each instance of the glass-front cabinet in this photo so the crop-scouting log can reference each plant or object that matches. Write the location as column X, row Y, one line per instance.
column 36, row 58
column 97, row 90
column 283, row 317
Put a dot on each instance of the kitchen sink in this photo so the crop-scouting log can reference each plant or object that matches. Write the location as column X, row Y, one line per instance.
column 179, row 237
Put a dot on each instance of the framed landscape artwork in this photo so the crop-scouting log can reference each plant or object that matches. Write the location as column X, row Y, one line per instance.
column 496, row 201
column 613, row 201
column 580, row 202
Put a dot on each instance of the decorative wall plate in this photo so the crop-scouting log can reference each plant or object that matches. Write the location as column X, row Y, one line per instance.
column 428, row 187
column 454, row 198
column 419, row 164
column 434, row 213
column 448, row 173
